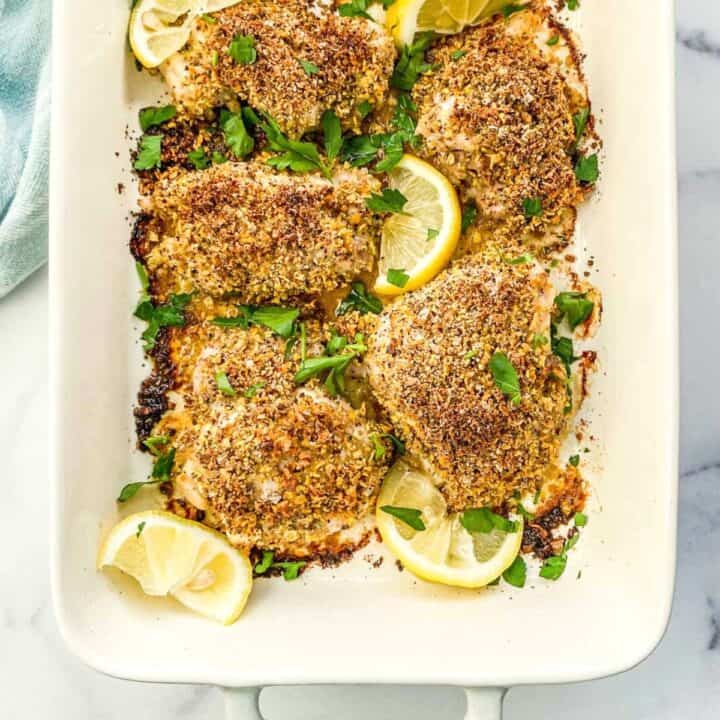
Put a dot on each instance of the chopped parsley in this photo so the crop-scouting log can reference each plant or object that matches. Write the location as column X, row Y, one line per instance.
column 364, row 108
column 573, row 4
column 280, row 320
column 199, row 159
column 580, row 120
column 432, row 233
column 223, row 383
column 291, row 570
column 140, row 528
column 532, row 207
column 484, row 520
column 150, row 152
column 242, row 49
column 505, row 376
column 574, row 460
column 391, row 201
column 235, row 133
column 309, row 68
column 359, row 299
column 265, row 564
column 397, row 277
column 214, row 58
column 516, row 574
column 469, row 215
column 554, row 40
column 512, row 8
column 209, row 19
column 252, row 391
column 586, row 168
column 154, row 442
column 355, row 8
column 580, row 519
column 379, row 447
column 574, row 306
column 523, row 259
column 160, row 473
column 218, row 158
column 554, row 567
column 410, row 516
column 411, row 63
column 539, row 340
column 170, row 314
column 296, row 155
column 332, row 132
column 153, row 116
column 470, row 354
column 339, row 354
column 457, row 54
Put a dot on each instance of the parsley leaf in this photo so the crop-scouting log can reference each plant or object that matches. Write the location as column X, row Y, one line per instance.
column 512, row 8
column 364, row 108
column 393, row 149
column 152, row 443
column 150, row 152
column 516, row 574
column 586, row 169
column 397, row 277
column 505, row 376
column 264, row 565
column 410, row 516
column 574, row 460
column 339, row 354
column 199, row 159
column 563, row 348
column 554, row 40
column 484, row 520
column 361, row 300
column 170, row 314
column 160, row 473
column 140, row 528
column 523, row 259
column 361, row 149
column 309, row 68
column 575, row 306
column 469, row 215
column 235, row 134
column 152, row 116
column 333, row 134
column 457, row 54
column 291, row 570
column 538, row 340
column 573, row 4
column 532, row 207
column 391, row 201
column 355, row 8
column 297, row 155
column 242, row 49
column 280, row 320
column 223, row 384
column 554, row 567
column 378, row 447
column 580, row 120
column 252, row 391
column 580, row 519
column 218, row 158
column 411, row 63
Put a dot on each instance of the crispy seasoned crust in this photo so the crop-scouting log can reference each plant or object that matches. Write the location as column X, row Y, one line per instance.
column 262, row 235
column 353, row 56
column 428, row 365
column 498, row 121
column 276, row 466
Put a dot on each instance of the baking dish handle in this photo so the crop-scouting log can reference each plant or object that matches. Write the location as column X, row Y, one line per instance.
column 242, row 703
column 482, row 703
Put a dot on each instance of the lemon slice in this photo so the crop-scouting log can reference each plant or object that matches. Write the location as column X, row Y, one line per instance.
column 444, row 552
column 406, row 17
column 169, row 555
column 419, row 242
column 159, row 28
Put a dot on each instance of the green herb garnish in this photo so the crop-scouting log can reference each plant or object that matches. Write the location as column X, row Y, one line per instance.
column 218, row 158
column 539, row 340
column 280, row 320
column 532, row 207
column 152, row 116
column 150, row 152
column 170, row 314
column 554, row 567
column 580, row 120
column 574, row 306
column 469, row 215
column 333, row 134
column 580, row 519
column 411, row 63
column 223, row 384
column 484, row 520
column 291, row 570
column 397, row 277
column 355, row 8
column 512, row 8
column 505, row 376
column 160, row 473
column 252, row 391
column 235, row 133
column 295, row 155
column 586, row 169
column 155, row 442
column 265, row 564
column 554, row 40
column 199, row 159
column 516, row 574
column 432, row 233
column 573, row 4
column 140, row 528
column 364, row 108
column 574, row 460
column 523, row 259
column 361, row 300
column 409, row 516
column 309, row 68
column 391, row 201
column 242, row 49
column 457, row 54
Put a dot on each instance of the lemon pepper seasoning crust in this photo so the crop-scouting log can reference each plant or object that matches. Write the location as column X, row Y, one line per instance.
column 353, row 56
column 498, row 121
column 282, row 467
column 263, row 235
column 428, row 366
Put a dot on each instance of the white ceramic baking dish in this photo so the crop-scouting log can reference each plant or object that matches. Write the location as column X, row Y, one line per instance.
column 356, row 624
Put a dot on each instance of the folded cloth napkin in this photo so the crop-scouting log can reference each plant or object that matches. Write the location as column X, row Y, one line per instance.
column 24, row 143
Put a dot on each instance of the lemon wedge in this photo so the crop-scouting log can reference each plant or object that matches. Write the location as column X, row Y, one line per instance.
column 169, row 555
column 159, row 28
column 407, row 17
column 419, row 242
column 444, row 552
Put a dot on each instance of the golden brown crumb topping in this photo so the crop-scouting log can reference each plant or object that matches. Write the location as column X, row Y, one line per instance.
column 496, row 115
column 428, row 364
column 264, row 235
column 275, row 465
column 351, row 62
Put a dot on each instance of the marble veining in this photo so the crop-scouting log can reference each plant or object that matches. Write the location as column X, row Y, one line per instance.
column 39, row 680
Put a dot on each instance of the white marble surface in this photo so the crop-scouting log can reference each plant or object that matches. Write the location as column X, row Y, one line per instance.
column 40, row 680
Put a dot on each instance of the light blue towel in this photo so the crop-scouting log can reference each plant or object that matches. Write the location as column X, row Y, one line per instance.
column 24, row 143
